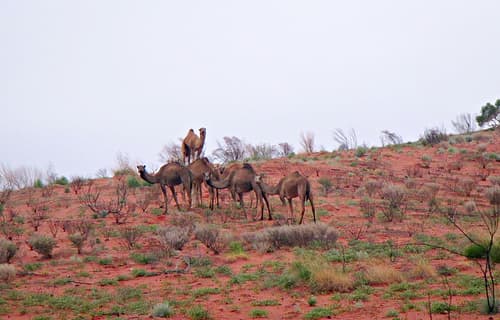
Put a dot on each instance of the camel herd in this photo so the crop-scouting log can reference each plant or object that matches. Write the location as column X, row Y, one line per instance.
column 238, row 178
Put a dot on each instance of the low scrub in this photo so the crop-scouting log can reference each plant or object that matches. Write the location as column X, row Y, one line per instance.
column 8, row 250
column 7, row 272
column 212, row 237
column 382, row 273
column 42, row 245
column 163, row 310
column 293, row 236
column 173, row 238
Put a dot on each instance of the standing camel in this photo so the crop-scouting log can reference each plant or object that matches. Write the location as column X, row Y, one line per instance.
column 170, row 175
column 192, row 145
column 198, row 169
column 240, row 181
column 289, row 187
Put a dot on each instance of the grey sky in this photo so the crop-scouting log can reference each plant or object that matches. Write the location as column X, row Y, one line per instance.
column 81, row 81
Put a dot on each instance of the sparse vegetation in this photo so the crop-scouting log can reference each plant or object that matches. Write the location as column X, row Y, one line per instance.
column 42, row 245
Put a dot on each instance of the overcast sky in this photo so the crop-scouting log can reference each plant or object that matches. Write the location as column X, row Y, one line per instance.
column 81, row 81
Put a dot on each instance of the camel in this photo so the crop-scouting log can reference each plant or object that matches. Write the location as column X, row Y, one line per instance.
column 289, row 187
column 170, row 174
column 240, row 181
column 198, row 169
column 192, row 145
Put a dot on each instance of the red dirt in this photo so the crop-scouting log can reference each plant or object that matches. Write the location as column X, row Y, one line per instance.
column 339, row 209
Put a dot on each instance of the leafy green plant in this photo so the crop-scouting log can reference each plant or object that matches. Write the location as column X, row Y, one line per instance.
column 312, row 301
column 318, row 313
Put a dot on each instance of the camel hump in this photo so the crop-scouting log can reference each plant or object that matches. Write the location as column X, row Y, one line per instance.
column 191, row 130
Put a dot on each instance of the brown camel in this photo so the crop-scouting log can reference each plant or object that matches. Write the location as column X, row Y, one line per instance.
column 240, row 181
column 198, row 169
column 192, row 145
column 170, row 175
column 289, row 187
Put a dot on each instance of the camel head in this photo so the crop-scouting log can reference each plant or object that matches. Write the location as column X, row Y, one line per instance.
column 203, row 131
column 141, row 168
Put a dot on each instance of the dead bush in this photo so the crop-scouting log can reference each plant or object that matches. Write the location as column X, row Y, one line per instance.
column 7, row 272
column 465, row 186
column 172, row 238
column 368, row 207
column 130, row 236
column 211, row 236
column 372, row 187
column 494, row 180
column 186, row 220
column 329, row 279
column 428, row 193
column 394, row 202
column 493, row 196
column 414, row 171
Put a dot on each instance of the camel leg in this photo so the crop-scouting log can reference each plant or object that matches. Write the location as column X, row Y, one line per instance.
column 164, row 191
column 303, row 209
column 242, row 204
column 217, row 197
column 211, row 197
column 312, row 207
column 290, row 209
column 172, row 189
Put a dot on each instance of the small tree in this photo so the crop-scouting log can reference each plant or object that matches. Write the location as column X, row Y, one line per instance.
column 171, row 152
column 307, row 142
column 233, row 149
column 345, row 141
column 262, row 151
column 285, row 149
column 489, row 114
column 388, row 138
column 464, row 123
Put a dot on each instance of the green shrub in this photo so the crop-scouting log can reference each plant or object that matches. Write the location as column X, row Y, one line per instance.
column 138, row 273
column 475, row 251
column 258, row 313
column 312, row 301
column 30, row 267
column 133, row 182
column 78, row 240
column 198, row 313
column 61, row 181
column 318, row 313
column 42, row 245
column 38, row 184
column 441, row 307
column 361, row 151
column 163, row 310
column 144, row 258
column 8, row 250
column 106, row 261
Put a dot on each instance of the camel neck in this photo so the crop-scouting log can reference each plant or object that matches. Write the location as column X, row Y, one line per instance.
column 148, row 177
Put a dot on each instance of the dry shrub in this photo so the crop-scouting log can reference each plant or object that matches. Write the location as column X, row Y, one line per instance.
column 470, row 207
column 130, row 236
column 293, row 236
column 414, row 171
column 212, row 237
column 330, row 279
column 422, row 269
column 8, row 250
column 42, row 245
column 173, row 238
column 186, row 220
column 493, row 195
column 382, row 273
column 465, row 186
column 78, row 240
column 395, row 202
column 372, row 187
column 7, row 272
column 494, row 180
column 410, row 183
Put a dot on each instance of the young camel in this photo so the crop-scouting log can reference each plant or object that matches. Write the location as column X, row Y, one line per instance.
column 198, row 169
column 289, row 187
column 170, row 175
column 192, row 145
column 240, row 181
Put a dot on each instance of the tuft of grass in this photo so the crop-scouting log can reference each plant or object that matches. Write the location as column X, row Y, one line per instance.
column 265, row 303
column 382, row 274
column 258, row 313
column 198, row 313
column 205, row 291
column 163, row 310
column 318, row 313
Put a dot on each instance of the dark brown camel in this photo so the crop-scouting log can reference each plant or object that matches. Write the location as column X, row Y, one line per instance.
column 289, row 187
column 240, row 181
column 171, row 175
column 192, row 145
column 198, row 169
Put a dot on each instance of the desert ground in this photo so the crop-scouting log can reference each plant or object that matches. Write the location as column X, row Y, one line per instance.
column 377, row 259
